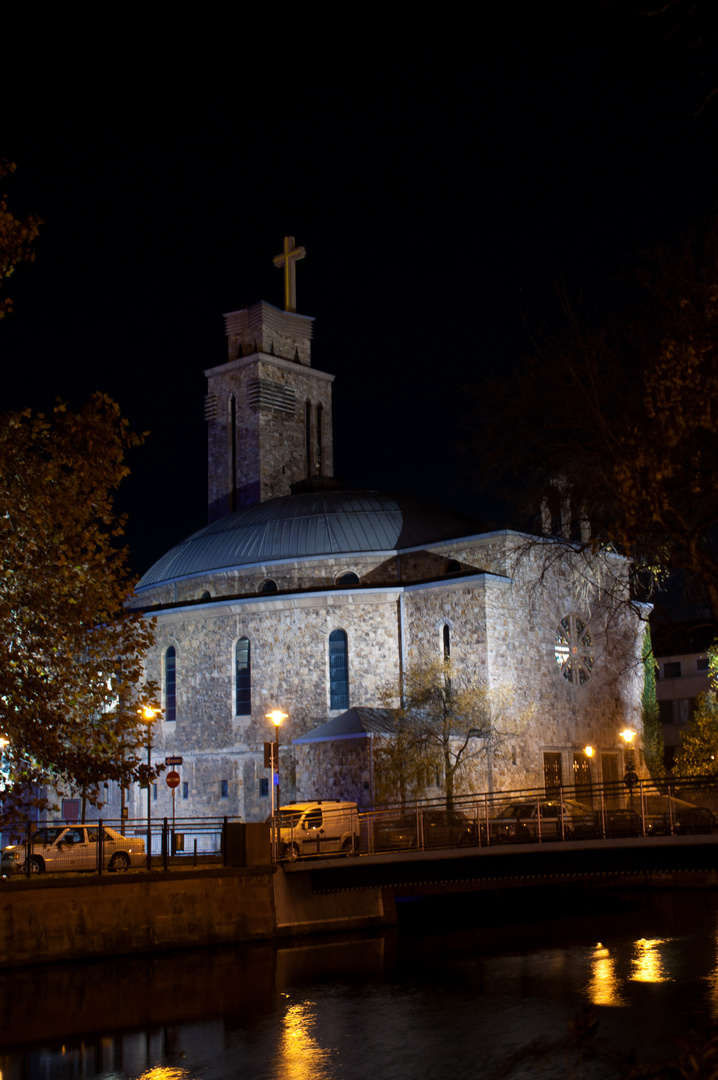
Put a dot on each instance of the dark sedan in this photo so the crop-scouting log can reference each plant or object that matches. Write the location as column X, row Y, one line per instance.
column 428, row 829
column 682, row 819
column 541, row 819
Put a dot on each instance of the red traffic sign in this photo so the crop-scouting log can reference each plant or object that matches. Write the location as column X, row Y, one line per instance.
column 173, row 779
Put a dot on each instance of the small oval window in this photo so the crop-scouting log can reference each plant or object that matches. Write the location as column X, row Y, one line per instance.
column 269, row 585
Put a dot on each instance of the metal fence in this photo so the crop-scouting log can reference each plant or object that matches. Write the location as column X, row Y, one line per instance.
column 327, row 828
column 599, row 812
column 32, row 848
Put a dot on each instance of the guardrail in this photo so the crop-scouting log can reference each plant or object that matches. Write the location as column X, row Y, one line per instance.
column 106, row 845
column 601, row 812
column 647, row 809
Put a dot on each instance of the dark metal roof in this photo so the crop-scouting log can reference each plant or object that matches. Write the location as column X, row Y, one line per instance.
column 356, row 723
column 303, row 525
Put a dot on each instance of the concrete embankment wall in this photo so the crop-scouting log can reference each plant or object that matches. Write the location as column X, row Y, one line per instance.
column 54, row 919
column 66, row 919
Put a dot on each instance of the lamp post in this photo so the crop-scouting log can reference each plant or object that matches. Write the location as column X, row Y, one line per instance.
column 630, row 778
column 148, row 714
column 276, row 716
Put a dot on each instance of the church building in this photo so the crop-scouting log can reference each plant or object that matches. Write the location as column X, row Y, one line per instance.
column 302, row 596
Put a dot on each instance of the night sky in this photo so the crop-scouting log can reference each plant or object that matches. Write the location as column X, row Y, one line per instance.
column 443, row 177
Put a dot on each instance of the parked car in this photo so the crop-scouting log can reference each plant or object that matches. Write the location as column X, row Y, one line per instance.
column 439, row 828
column 685, row 817
column 619, row 822
column 73, row 847
column 541, row 819
column 318, row 828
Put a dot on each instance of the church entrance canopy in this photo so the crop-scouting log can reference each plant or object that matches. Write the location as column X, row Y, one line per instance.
column 356, row 723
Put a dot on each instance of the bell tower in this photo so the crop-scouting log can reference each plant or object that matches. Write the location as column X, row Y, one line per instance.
column 269, row 412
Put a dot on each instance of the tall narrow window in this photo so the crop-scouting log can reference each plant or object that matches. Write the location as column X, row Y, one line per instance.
column 308, row 435
column 447, row 643
column 338, row 670
column 232, row 421
column 170, row 685
column 319, row 467
column 243, row 678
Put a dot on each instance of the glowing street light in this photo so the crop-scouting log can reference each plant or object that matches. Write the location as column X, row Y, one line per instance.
column 147, row 716
column 276, row 716
column 630, row 777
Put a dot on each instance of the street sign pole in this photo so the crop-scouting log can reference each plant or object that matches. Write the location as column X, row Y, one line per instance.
column 173, row 778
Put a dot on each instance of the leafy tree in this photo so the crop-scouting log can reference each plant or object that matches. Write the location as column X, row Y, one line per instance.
column 71, row 653
column 618, row 422
column 652, row 727
column 16, row 238
column 697, row 754
column 448, row 719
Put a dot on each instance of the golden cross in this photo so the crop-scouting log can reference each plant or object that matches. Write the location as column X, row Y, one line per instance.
column 289, row 257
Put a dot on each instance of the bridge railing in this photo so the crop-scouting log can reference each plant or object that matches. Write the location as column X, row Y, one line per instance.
column 34, row 848
column 596, row 812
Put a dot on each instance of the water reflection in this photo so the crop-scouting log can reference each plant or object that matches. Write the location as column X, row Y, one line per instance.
column 464, row 1003
column 648, row 964
column 162, row 1072
column 300, row 1056
column 604, row 987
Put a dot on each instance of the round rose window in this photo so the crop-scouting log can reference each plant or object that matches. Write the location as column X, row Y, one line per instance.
column 574, row 650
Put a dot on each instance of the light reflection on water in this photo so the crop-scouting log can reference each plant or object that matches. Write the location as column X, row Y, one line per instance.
column 392, row 1009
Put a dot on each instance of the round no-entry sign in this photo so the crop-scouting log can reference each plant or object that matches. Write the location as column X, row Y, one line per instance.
column 173, row 779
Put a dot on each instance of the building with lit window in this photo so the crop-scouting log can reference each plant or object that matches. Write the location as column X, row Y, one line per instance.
column 302, row 595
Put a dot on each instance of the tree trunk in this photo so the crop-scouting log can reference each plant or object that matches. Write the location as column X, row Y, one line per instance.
column 448, row 781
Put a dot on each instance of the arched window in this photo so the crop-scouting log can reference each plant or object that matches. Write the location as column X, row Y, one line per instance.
column 206, row 595
column 232, row 451
column 319, row 469
column 350, row 578
column 338, row 670
column 170, row 674
column 452, row 566
column 447, row 642
column 269, row 585
column 243, row 678
column 308, row 435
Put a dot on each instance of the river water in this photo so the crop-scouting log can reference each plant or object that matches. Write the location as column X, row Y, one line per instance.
column 570, row 996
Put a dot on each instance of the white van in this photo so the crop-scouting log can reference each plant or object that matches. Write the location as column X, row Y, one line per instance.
column 318, row 828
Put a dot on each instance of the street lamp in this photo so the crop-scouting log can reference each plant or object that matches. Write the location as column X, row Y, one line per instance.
column 276, row 716
column 630, row 777
column 147, row 715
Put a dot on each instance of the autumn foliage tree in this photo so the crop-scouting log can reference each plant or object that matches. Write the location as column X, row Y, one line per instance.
column 71, row 653
column 447, row 720
column 16, row 239
column 697, row 754
column 612, row 423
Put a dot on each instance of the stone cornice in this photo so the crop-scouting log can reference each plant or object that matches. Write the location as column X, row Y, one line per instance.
column 275, row 361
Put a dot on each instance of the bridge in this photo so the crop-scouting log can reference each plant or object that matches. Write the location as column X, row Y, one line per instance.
column 486, row 884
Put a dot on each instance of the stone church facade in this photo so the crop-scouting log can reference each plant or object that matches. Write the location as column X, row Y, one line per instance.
column 306, row 597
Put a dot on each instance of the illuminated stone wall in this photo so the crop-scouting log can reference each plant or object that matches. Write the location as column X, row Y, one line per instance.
column 502, row 631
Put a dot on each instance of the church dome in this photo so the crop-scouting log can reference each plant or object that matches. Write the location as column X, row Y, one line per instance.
column 309, row 524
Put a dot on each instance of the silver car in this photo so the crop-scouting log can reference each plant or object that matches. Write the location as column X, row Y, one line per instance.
column 73, row 847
